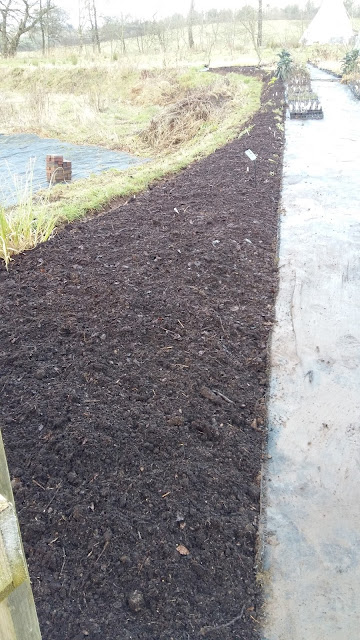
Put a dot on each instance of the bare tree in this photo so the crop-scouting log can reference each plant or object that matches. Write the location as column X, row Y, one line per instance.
column 123, row 21
column 139, row 34
column 116, row 29
column 81, row 25
column 42, row 29
column 88, row 18
column 44, row 23
column 248, row 17
column 260, row 24
column 92, row 13
column 18, row 17
column 190, row 24
column 52, row 29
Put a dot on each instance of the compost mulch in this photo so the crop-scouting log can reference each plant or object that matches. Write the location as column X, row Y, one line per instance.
column 133, row 379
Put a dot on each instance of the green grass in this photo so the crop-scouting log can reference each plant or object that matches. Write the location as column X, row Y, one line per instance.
column 28, row 223
column 24, row 227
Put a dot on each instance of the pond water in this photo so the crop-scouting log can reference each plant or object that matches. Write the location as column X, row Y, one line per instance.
column 23, row 159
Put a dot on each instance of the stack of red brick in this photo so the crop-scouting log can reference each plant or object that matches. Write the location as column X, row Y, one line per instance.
column 57, row 169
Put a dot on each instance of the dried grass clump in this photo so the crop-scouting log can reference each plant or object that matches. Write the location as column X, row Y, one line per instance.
column 154, row 87
column 180, row 122
column 148, row 91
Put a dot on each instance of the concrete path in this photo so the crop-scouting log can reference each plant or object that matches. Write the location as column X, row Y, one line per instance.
column 312, row 517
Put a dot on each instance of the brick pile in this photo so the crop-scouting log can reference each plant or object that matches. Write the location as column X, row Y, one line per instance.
column 58, row 169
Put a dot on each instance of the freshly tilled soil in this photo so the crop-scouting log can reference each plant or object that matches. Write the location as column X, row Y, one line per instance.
column 133, row 377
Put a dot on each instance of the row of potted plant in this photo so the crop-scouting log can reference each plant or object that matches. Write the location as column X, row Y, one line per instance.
column 302, row 101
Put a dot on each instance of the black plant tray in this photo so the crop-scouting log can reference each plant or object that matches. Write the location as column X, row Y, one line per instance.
column 307, row 115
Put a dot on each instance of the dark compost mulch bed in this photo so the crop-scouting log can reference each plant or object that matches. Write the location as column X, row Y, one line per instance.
column 133, row 375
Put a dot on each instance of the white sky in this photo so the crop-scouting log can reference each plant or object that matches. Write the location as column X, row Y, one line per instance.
column 147, row 8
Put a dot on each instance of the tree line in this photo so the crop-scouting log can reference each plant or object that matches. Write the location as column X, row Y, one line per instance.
column 41, row 24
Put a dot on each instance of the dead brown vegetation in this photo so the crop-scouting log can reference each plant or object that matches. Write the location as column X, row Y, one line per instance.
column 180, row 121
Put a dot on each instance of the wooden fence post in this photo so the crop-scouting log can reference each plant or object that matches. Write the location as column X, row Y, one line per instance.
column 18, row 618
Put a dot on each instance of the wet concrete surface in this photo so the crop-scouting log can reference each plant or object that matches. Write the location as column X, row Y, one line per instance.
column 312, row 489
column 23, row 159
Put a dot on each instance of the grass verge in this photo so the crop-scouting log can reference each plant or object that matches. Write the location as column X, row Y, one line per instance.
column 22, row 228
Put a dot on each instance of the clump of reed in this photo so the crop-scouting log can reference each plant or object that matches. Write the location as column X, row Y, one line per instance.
column 26, row 224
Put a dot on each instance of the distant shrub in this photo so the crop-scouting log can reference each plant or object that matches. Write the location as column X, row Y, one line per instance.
column 272, row 44
column 350, row 63
column 326, row 51
column 284, row 65
column 353, row 82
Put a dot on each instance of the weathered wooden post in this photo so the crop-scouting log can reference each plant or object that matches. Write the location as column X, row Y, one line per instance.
column 18, row 618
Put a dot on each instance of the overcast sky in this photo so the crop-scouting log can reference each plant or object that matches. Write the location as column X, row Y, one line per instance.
column 147, row 8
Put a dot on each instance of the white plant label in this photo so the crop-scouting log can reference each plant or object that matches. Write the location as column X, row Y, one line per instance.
column 251, row 155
